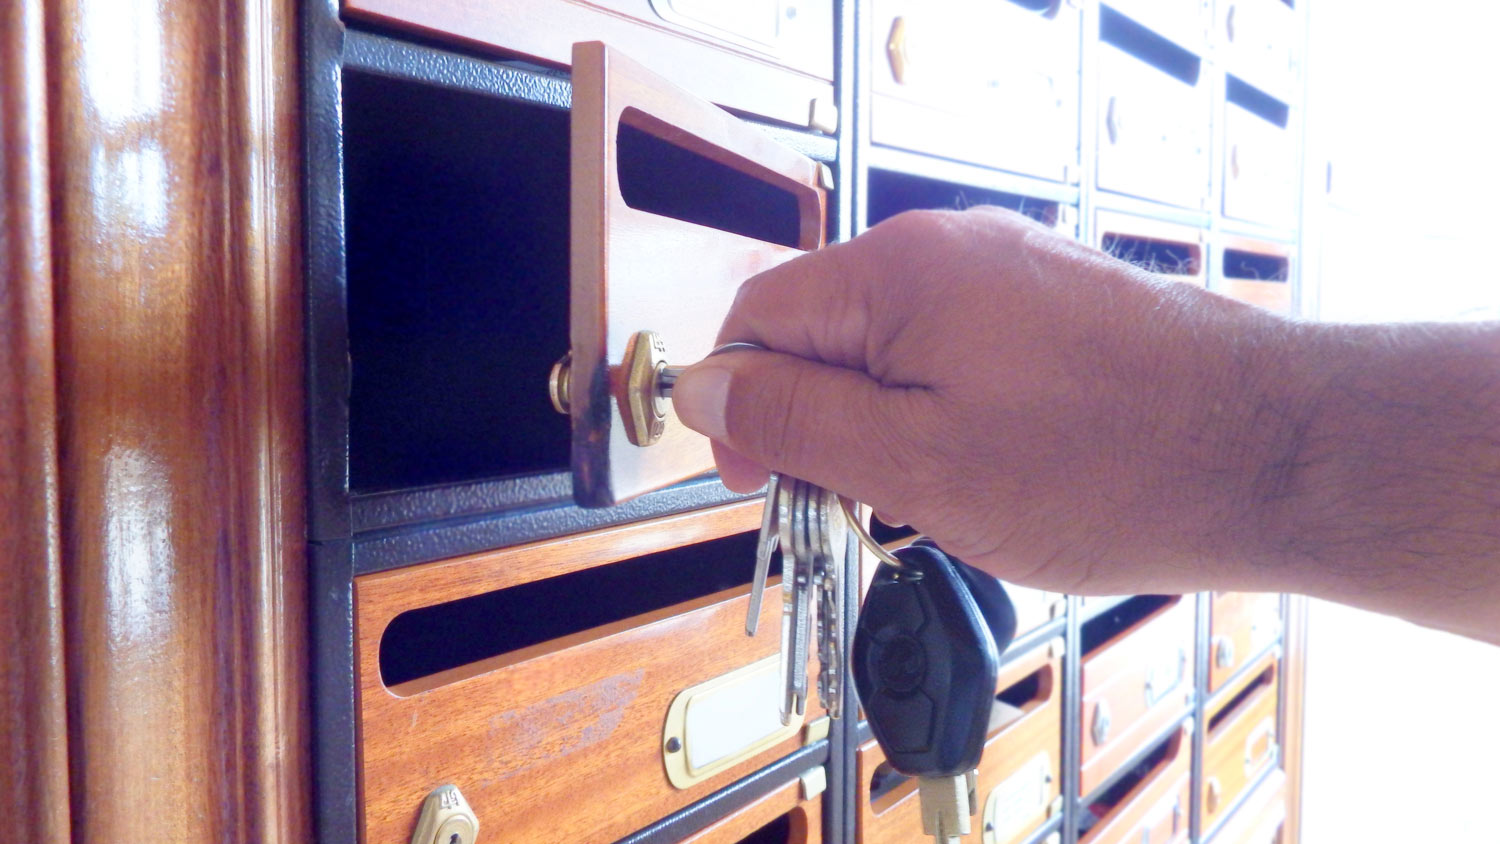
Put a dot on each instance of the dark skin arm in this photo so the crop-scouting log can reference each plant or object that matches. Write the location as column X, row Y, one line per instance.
column 1070, row 422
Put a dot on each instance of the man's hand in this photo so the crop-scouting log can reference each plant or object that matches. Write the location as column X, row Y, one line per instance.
column 1066, row 420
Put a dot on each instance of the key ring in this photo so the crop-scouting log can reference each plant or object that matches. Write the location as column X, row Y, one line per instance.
column 855, row 525
column 866, row 539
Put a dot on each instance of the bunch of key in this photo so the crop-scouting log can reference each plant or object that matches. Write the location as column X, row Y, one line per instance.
column 926, row 647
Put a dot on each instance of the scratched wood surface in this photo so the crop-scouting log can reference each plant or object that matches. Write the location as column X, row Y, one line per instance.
column 1116, row 674
column 1241, row 746
column 1017, row 744
column 1248, row 621
column 805, row 819
column 33, row 708
column 176, row 195
column 523, row 734
column 1143, row 815
column 621, row 285
column 781, row 87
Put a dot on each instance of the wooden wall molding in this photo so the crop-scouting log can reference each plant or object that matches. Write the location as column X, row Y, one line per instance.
column 33, row 725
column 175, row 198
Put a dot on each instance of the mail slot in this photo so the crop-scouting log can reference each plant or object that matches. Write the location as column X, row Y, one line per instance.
column 1153, row 116
column 613, row 663
column 792, row 814
column 1243, row 625
column 1242, row 743
column 1150, row 803
column 993, row 83
column 1164, row 248
column 892, row 192
column 1019, row 776
column 1137, row 677
column 1255, row 271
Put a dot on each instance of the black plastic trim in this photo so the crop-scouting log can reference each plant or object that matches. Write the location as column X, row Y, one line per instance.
column 958, row 172
column 1151, row 744
column 731, row 798
column 379, row 54
column 326, row 329
column 335, row 734
column 379, row 551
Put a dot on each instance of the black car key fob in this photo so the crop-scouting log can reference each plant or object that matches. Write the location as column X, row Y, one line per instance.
column 989, row 593
column 925, row 663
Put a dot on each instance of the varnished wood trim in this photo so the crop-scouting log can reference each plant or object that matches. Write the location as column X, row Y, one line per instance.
column 175, row 209
column 33, row 722
column 384, row 595
column 1293, row 687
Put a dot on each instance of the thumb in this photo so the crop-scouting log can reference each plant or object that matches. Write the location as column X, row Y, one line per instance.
column 825, row 424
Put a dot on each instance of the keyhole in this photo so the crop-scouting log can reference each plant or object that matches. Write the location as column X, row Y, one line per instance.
column 455, row 838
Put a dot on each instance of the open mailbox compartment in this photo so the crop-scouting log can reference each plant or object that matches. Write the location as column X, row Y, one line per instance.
column 472, row 267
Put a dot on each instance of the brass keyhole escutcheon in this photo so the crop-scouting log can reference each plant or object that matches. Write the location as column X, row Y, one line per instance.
column 446, row 818
column 644, row 405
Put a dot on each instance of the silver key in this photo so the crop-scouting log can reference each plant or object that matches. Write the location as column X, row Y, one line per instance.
column 765, row 546
column 797, row 601
column 807, row 523
column 831, row 543
column 947, row 805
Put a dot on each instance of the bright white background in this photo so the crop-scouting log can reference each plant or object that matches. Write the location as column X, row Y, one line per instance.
column 1403, row 723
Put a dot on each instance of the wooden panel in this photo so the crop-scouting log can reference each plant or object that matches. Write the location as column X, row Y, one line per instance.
column 621, row 285
column 1261, row 819
column 1260, row 172
column 1155, row 811
column 805, row 827
column 990, row 83
column 1240, row 747
column 523, row 733
column 1117, row 675
column 1243, row 624
column 1010, row 751
column 1153, row 131
column 1272, row 295
column 33, row 711
column 779, row 81
column 175, row 205
column 1113, row 223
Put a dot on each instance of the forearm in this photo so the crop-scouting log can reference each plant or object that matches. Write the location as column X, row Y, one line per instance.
column 1380, row 487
